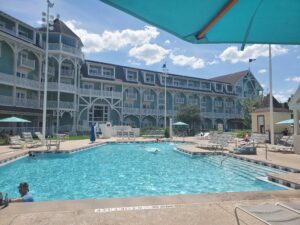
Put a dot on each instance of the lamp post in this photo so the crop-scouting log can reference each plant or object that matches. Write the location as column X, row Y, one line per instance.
column 46, row 23
column 165, row 70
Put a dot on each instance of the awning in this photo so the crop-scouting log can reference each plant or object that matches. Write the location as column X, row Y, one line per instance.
column 220, row 21
column 180, row 124
column 287, row 122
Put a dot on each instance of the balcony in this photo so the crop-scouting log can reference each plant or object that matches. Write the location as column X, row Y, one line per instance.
column 162, row 112
column 193, row 102
column 149, row 98
column 53, row 86
column 51, row 70
column 6, row 100
column 65, row 48
column 149, row 111
column 27, row 103
column 27, row 83
column 98, row 93
column 130, row 96
column 67, row 73
column 27, row 63
column 12, row 32
column 6, row 79
column 179, row 101
column 127, row 110
column 62, row 104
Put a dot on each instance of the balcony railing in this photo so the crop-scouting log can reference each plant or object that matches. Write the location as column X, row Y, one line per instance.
column 62, row 104
column 6, row 100
column 98, row 93
column 127, row 110
column 27, row 103
column 65, row 48
column 149, row 111
column 51, row 70
column 6, row 79
column 27, row 83
column 27, row 63
column 13, row 32
column 193, row 102
column 131, row 96
column 179, row 100
column 53, row 86
column 67, row 73
column 149, row 98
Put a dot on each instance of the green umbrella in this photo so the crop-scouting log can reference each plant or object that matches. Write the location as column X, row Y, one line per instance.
column 14, row 120
column 287, row 122
column 180, row 124
column 220, row 21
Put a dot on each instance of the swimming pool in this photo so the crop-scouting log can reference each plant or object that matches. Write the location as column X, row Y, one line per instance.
column 124, row 170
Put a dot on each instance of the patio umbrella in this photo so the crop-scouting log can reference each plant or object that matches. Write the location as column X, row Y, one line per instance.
column 220, row 21
column 180, row 124
column 14, row 120
column 223, row 21
column 287, row 122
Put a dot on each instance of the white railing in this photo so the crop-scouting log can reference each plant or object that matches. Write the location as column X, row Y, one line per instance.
column 94, row 92
column 179, row 100
column 51, row 86
column 149, row 111
column 131, row 96
column 27, row 63
column 27, row 83
column 112, row 94
column 193, row 102
column 67, row 87
column 51, row 70
column 6, row 100
column 66, row 105
column 13, row 32
column 68, row 48
column 66, row 72
column 6, row 79
column 25, row 38
column 149, row 98
column 54, row 46
column 27, row 103
column 162, row 112
column 53, row 104
column 131, row 110
column 65, row 48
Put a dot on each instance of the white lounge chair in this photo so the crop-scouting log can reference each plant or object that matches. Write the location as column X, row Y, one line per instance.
column 270, row 214
column 29, row 140
column 293, row 206
column 16, row 142
column 40, row 137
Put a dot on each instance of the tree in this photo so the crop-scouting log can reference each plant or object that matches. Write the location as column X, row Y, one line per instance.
column 190, row 114
column 248, row 106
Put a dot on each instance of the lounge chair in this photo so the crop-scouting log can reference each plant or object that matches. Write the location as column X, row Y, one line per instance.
column 293, row 206
column 29, row 140
column 40, row 137
column 270, row 214
column 16, row 142
column 205, row 136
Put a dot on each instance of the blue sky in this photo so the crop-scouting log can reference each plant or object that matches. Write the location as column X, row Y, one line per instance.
column 112, row 36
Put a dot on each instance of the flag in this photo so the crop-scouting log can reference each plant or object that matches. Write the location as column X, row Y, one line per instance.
column 251, row 60
column 164, row 66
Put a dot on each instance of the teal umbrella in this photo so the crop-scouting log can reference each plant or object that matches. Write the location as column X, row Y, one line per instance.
column 14, row 120
column 220, row 21
column 287, row 122
column 180, row 124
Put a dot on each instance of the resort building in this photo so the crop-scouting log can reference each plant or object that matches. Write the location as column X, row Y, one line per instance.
column 82, row 91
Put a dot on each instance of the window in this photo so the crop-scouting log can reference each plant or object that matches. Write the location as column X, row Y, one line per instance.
column 219, row 87
column 205, row 85
column 132, row 75
column 108, row 72
column 149, row 78
column 21, row 96
column 238, row 89
column 179, row 100
column 21, row 75
column 176, row 83
column 94, row 70
column 229, row 88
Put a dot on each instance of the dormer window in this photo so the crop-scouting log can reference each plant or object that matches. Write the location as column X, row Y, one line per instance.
column 132, row 75
column 108, row 72
column 149, row 78
column 229, row 88
column 205, row 86
column 219, row 87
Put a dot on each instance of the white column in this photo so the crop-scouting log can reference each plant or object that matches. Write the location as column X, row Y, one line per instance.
column 75, row 94
column 271, row 97
column 296, row 122
column 58, row 95
column 16, row 55
column 40, row 77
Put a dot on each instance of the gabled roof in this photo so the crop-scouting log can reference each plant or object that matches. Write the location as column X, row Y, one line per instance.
column 60, row 27
column 231, row 78
column 277, row 106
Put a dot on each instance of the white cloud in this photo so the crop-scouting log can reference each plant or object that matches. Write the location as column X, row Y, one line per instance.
column 293, row 79
column 149, row 53
column 262, row 71
column 213, row 62
column 192, row 61
column 263, row 86
column 233, row 55
column 132, row 62
column 291, row 90
column 167, row 42
column 112, row 40
column 281, row 97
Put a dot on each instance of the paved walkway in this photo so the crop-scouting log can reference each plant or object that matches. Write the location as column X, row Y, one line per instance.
column 210, row 209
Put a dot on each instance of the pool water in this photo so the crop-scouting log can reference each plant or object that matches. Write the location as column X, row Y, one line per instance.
column 124, row 170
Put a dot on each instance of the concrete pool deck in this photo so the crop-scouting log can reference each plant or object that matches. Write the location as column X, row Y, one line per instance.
column 208, row 209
